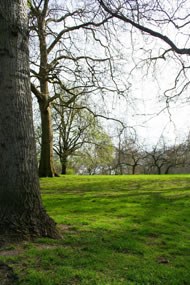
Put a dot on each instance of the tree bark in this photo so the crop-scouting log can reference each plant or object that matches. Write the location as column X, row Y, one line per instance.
column 64, row 165
column 133, row 169
column 168, row 169
column 46, row 167
column 159, row 170
column 64, row 169
column 22, row 215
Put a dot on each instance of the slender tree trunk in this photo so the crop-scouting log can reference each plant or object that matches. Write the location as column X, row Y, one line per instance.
column 64, row 165
column 168, row 169
column 159, row 170
column 22, row 215
column 46, row 167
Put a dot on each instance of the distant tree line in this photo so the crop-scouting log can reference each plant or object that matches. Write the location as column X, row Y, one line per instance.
column 134, row 158
column 83, row 146
column 161, row 158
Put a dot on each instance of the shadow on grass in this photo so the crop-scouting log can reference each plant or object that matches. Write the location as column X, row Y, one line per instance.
column 119, row 231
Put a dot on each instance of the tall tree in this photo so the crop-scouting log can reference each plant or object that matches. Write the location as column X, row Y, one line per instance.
column 21, row 211
column 96, row 157
column 73, row 126
column 74, row 50
column 163, row 158
column 133, row 154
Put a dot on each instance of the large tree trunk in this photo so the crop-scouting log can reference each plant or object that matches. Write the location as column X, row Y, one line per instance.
column 22, row 215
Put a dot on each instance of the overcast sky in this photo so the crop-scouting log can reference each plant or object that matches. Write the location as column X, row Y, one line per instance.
column 145, row 98
column 146, row 111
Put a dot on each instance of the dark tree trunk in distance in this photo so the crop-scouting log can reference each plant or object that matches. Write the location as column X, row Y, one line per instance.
column 133, row 169
column 64, row 165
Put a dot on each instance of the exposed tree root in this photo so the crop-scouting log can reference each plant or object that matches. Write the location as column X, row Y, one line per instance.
column 27, row 226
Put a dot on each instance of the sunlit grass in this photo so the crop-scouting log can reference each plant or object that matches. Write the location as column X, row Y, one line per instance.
column 116, row 230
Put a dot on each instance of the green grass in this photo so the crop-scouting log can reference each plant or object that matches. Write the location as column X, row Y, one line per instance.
column 116, row 230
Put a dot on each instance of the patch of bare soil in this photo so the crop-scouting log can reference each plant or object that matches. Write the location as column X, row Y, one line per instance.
column 17, row 250
column 8, row 252
column 162, row 260
column 152, row 239
column 46, row 246
column 66, row 228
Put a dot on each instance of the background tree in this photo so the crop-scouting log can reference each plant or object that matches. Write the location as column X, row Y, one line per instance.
column 129, row 152
column 63, row 58
column 118, row 161
column 164, row 158
column 22, row 215
column 95, row 157
column 73, row 126
column 176, row 156
column 133, row 155
column 157, row 159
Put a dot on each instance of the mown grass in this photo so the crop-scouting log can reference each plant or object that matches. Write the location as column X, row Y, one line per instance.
column 116, row 230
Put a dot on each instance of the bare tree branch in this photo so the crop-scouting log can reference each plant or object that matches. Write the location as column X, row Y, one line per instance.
column 147, row 30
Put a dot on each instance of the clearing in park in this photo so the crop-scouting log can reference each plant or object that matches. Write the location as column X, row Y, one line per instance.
column 116, row 230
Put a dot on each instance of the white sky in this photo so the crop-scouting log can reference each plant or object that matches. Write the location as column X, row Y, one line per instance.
column 145, row 91
column 173, row 124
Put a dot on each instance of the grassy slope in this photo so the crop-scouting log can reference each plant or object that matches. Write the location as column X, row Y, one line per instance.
column 116, row 230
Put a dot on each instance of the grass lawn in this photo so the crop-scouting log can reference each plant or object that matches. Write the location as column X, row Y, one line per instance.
column 116, row 230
